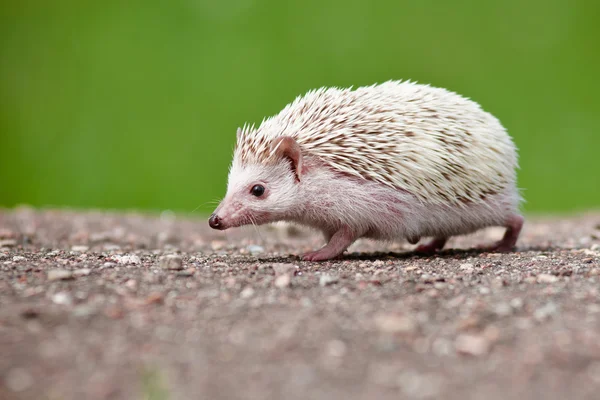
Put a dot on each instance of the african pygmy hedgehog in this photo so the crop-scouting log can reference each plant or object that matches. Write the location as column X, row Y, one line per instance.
column 396, row 160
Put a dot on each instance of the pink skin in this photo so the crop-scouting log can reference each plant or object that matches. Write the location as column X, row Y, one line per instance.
column 514, row 224
column 338, row 243
column 345, row 208
column 343, row 238
column 432, row 246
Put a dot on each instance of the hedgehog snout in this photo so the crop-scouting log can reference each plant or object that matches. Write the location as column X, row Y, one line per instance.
column 215, row 222
column 225, row 216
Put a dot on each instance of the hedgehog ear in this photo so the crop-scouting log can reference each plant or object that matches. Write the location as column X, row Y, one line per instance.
column 287, row 147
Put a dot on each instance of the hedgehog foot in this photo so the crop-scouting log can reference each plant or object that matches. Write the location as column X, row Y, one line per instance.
column 432, row 246
column 338, row 243
column 513, row 229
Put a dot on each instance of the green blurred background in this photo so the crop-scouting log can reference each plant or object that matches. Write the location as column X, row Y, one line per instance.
column 134, row 104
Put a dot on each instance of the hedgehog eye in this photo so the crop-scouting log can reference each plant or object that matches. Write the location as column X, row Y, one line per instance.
column 257, row 190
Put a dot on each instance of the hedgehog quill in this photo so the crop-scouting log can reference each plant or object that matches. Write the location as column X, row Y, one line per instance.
column 397, row 160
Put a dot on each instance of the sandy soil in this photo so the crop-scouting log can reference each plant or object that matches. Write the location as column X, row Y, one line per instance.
column 125, row 306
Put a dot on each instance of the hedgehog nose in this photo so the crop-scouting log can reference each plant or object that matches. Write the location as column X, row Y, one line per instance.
column 214, row 221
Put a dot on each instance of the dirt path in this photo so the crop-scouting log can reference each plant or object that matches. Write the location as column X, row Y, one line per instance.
column 90, row 310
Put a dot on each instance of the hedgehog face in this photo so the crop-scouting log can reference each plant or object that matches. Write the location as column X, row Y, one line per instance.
column 257, row 194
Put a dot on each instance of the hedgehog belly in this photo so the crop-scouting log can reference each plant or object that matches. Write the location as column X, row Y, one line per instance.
column 395, row 218
column 451, row 220
column 384, row 213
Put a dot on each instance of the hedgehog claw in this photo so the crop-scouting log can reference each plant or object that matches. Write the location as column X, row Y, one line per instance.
column 338, row 243
column 509, row 241
column 319, row 255
column 432, row 246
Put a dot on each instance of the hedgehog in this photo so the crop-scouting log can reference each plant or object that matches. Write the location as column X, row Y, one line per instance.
column 398, row 160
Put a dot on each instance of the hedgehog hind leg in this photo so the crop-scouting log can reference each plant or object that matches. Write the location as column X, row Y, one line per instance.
column 513, row 225
column 432, row 246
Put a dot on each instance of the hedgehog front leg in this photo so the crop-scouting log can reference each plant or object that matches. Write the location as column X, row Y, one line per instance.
column 338, row 243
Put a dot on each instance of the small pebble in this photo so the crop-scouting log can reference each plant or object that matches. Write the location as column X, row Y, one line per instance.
column 546, row 278
column 131, row 284
column 247, row 293
column 82, row 272
column 336, row 348
column 217, row 244
column 18, row 258
column 466, row 268
column 282, row 281
column 62, row 298
column 283, row 268
column 474, row 345
column 230, row 281
column 127, row 259
column 516, row 303
column 390, row 323
column 255, row 249
column 503, row 310
column 114, row 312
column 80, row 249
column 441, row 347
column 455, row 302
column 18, row 379
column 327, row 279
column 187, row 273
column 154, row 298
column 545, row 311
column 59, row 274
column 171, row 261
column 84, row 310
column 29, row 313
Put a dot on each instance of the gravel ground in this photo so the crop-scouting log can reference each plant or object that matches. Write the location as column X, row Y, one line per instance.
column 97, row 305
